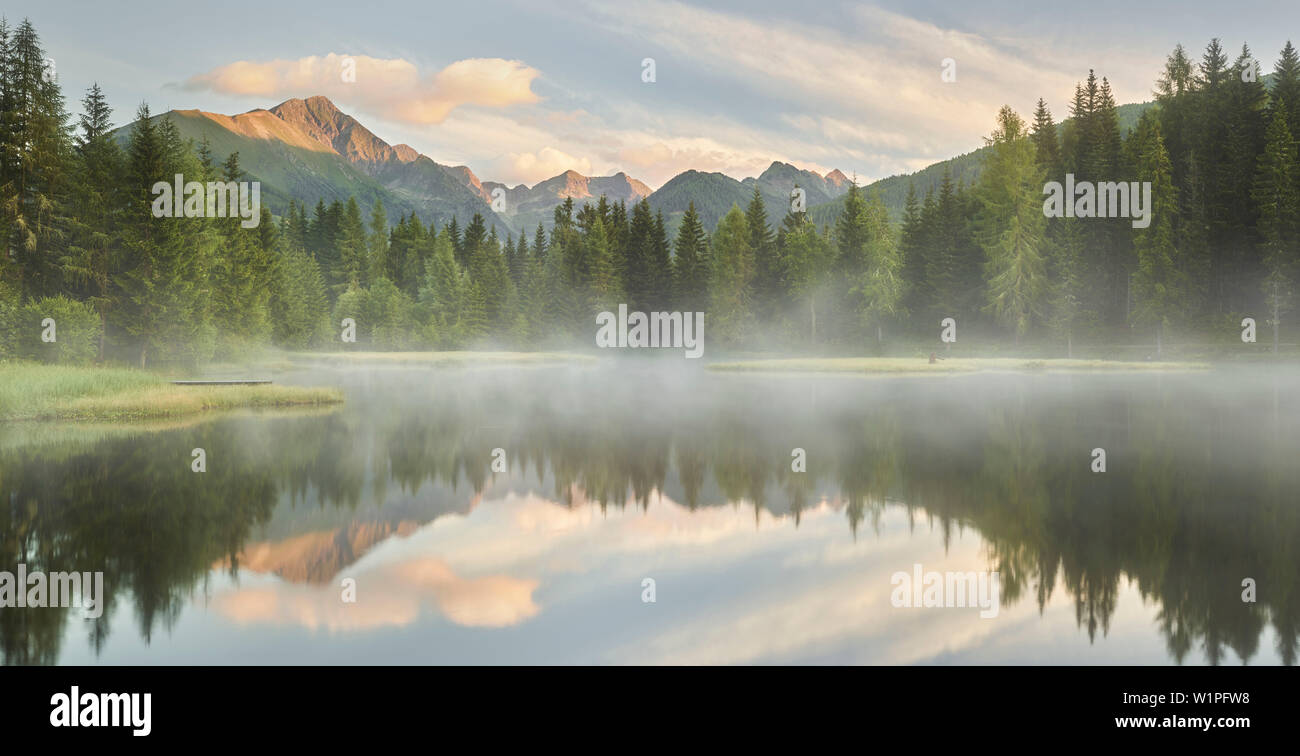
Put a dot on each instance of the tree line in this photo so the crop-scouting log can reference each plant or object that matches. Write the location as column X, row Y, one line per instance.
column 1217, row 146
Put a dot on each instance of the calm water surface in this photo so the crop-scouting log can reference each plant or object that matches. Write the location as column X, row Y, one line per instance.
column 621, row 473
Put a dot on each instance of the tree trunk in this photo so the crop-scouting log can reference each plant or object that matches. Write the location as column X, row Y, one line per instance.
column 1069, row 346
column 812, row 309
column 1275, row 315
column 144, row 351
column 880, row 335
column 1160, row 327
column 103, row 326
column 1128, row 299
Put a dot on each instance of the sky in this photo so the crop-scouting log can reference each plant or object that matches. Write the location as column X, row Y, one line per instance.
column 522, row 90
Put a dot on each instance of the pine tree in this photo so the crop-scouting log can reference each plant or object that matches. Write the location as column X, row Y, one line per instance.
column 911, row 247
column 690, row 264
column 1069, row 285
column 514, row 262
column 166, row 259
column 639, row 276
column 763, row 242
column 604, row 289
column 1246, row 123
column 539, row 243
column 732, row 278
column 943, row 271
column 1160, row 280
column 457, row 243
column 805, row 258
column 1011, row 226
column 881, row 285
column 377, row 243
column 1276, row 196
column 35, row 161
column 661, row 266
column 443, row 291
column 852, row 238
column 1046, row 140
column 1286, row 85
column 90, row 265
column 354, row 258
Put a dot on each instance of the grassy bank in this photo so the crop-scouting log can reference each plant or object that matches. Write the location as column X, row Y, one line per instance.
column 51, row 392
column 442, row 359
column 921, row 365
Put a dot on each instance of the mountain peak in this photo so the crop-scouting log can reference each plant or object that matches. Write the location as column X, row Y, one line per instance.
column 319, row 118
column 321, row 101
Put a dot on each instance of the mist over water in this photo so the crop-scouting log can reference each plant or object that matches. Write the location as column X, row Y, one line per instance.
column 656, row 468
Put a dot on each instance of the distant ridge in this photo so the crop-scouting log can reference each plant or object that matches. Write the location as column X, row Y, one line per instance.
column 308, row 150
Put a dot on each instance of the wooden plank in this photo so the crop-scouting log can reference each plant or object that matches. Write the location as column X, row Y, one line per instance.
column 221, row 383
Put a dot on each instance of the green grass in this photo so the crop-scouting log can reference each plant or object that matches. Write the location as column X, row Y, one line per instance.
column 922, row 366
column 31, row 391
column 446, row 359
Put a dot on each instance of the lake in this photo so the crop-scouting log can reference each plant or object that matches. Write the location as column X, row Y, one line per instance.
column 652, row 512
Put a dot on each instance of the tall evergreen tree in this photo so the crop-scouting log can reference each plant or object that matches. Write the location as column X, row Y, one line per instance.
column 690, row 264
column 1160, row 280
column 732, row 278
column 766, row 268
column 1276, row 195
column 1011, row 226
column 90, row 264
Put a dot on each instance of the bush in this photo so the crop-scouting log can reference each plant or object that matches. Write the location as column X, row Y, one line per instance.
column 386, row 318
column 73, row 327
column 8, row 322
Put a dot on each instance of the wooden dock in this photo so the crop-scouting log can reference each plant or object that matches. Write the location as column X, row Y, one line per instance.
column 242, row 382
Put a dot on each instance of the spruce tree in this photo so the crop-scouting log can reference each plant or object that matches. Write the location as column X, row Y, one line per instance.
column 90, row 265
column 690, row 264
column 1286, row 85
column 1160, row 281
column 732, row 278
column 377, row 243
column 763, row 243
column 1010, row 226
column 1276, row 196
column 1046, row 140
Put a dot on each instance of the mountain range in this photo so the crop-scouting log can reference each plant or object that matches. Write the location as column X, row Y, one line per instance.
column 308, row 150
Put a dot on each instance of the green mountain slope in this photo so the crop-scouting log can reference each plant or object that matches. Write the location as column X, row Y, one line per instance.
column 715, row 193
column 293, row 164
column 965, row 170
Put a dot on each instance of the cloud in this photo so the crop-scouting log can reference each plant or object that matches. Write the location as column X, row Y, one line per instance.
column 393, row 88
column 391, row 595
column 870, row 80
column 531, row 167
column 858, row 89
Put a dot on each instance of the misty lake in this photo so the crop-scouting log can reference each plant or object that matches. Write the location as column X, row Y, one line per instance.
column 641, row 479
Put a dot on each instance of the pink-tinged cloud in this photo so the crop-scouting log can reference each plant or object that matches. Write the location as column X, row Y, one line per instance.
column 389, row 596
column 393, row 88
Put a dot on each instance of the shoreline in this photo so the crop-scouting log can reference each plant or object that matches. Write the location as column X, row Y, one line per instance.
column 36, row 392
column 919, row 366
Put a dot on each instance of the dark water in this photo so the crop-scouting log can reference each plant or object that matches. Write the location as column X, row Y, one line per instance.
column 625, row 473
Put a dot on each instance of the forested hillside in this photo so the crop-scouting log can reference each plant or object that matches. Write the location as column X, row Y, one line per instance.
column 85, row 248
